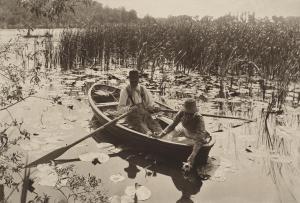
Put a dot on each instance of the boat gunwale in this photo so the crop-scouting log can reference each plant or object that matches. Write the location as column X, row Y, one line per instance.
column 95, row 108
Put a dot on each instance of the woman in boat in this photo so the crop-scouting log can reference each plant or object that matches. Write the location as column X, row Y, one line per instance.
column 137, row 98
column 193, row 127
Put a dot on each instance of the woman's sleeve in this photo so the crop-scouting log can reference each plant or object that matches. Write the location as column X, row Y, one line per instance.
column 201, row 125
column 175, row 122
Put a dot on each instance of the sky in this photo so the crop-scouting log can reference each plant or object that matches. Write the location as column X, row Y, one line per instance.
column 215, row 8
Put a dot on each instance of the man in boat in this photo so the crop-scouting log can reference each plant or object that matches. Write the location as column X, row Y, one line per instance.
column 193, row 127
column 137, row 98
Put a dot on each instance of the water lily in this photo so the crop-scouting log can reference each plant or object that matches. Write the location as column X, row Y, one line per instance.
column 89, row 157
column 116, row 178
column 142, row 192
column 47, row 175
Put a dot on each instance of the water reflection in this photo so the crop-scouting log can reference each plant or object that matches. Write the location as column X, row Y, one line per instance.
column 187, row 183
column 131, row 170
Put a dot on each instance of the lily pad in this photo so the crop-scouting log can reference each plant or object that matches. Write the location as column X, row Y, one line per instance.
column 66, row 126
column 122, row 199
column 47, row 175
column 89, row 157
column 117, row 178
column 142, row 192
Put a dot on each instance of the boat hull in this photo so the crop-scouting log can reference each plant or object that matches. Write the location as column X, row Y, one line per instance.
column 170, row 150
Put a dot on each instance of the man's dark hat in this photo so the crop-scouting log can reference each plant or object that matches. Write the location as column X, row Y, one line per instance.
column 133, row 73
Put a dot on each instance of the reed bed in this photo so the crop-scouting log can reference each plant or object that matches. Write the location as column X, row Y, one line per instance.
column 222, row 46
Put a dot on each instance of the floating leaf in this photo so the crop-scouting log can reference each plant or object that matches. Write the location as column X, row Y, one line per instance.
column 66, row 126
column 71, row 118
column 49, row 180
column 142, row 192
column 47, row 175
column 116, row 178
column 89, row 157
column 103, row 158
column 127, row 199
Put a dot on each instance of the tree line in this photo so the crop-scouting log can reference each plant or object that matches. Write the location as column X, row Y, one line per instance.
column 34, row 14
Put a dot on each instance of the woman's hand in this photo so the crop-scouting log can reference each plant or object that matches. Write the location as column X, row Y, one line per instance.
column 162, row 134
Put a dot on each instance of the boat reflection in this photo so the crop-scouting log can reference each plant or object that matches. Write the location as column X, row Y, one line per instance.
column 187, row 183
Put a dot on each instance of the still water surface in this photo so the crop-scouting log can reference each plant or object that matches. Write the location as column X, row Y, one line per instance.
column 239, row 168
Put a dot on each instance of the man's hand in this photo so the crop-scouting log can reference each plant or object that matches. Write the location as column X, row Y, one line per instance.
column 153, row 109
column 156, row 109
column 133, row 108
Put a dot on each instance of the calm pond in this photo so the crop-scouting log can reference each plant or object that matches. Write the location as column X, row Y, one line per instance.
column 239, row 168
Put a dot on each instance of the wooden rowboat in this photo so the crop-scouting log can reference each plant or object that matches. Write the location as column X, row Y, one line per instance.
column 103, row 100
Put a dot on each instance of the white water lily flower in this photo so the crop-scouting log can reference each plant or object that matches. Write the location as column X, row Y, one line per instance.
column 88, row 157
column 117, row 178
column 142, row 192
column 115, row 150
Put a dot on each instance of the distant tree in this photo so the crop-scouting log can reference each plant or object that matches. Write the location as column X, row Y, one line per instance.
column 52, row 9
column 60, row 13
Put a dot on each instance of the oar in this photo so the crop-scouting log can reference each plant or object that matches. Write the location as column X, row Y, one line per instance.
column 211, row 115
column 58, row 152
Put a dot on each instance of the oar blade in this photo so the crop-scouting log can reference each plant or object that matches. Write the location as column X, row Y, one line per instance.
column 48, row 157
